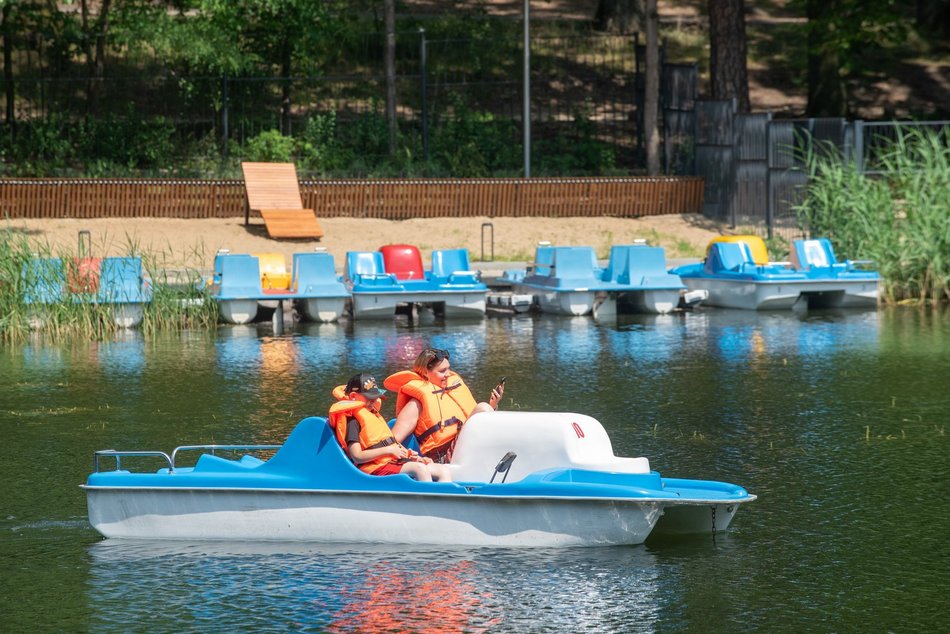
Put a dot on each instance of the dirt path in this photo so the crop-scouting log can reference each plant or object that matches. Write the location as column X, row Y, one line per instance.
column 193, row 243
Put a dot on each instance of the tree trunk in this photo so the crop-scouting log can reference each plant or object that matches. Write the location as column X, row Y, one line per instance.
column 933, row 16
column 8, row 64
column 826, row 90
column 94, row 47
column 390, row 61
column 616, row 16
column 286, row 70
column 651, row 88
column 728, row 76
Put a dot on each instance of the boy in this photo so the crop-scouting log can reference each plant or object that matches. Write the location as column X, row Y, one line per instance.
column 367, row 439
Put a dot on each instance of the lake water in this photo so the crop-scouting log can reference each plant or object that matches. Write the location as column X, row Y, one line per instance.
column 836, row 420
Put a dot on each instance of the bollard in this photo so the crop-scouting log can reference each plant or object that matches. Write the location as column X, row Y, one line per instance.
column 491, row 228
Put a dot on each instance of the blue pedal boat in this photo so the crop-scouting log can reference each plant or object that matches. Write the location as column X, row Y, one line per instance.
column 116, row 282
column 568, row 280
column 519, row 479
column 813, row 278
column 241, row 282
column 394, row 277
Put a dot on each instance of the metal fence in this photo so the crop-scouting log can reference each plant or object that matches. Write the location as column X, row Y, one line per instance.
column 585, row 78
column 753, row 165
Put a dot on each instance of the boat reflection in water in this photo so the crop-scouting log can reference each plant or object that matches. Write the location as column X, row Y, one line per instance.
column 307, row 587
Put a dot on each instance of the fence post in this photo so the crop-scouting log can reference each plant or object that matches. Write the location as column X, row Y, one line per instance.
column 423, row 63
column 858, row 148
column 224, row 115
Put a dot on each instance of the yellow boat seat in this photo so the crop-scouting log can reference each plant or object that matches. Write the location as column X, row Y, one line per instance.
column 756, row 246
column 274, row 275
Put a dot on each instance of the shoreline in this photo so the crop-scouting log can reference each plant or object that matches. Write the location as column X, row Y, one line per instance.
column 192, row 243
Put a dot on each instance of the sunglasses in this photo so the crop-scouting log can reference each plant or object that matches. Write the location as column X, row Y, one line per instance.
column 439, row 356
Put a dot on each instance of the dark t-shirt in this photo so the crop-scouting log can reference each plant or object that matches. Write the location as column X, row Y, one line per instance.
column 353, row 428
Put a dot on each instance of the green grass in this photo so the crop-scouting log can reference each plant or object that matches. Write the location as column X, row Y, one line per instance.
column 177, row 303
column 899, row 220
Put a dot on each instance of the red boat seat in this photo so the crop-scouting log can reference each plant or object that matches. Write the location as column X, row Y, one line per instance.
column 403, row 261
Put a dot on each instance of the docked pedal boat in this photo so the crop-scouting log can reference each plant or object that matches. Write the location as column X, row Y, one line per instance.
column 737, row 274
column 564, row 488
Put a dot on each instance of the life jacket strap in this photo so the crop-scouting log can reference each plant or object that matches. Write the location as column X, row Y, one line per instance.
column 437, row 427
column 446, row 389
column 385, row 442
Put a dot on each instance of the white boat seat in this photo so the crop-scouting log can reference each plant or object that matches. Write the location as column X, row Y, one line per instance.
column 542, row 440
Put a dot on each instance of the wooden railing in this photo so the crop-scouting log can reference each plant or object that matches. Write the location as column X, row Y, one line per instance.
column 388, row 199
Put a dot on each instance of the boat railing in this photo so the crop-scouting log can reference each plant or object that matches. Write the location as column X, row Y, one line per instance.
column 112, row 453
column 170, row 460
column 213, row 448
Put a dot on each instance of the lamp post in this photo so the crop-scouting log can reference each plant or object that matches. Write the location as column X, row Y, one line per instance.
column 526, row 81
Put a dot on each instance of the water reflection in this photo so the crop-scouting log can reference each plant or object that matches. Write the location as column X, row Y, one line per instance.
column 306, row 587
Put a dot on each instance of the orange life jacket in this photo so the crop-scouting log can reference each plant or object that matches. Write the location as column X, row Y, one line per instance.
column 442, row 410
column 374, row 432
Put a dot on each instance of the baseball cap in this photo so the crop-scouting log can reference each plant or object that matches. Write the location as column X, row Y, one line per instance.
column 365, row 384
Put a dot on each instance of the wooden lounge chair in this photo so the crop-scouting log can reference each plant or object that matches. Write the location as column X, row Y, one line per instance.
column 274, row 192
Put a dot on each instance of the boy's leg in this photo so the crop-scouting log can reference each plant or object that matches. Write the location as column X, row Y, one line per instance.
column 417, row 471
column 440, row 472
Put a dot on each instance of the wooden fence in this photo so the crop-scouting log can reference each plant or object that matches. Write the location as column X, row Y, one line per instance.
column 387, row 199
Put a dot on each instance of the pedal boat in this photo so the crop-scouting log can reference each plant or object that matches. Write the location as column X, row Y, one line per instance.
column 117, row 283
column 393, row 278
column 521, row 479
column 243, row 283
column 737, row 274
column 569, row 281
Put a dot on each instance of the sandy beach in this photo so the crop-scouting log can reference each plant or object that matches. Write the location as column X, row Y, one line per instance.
column 193, row 243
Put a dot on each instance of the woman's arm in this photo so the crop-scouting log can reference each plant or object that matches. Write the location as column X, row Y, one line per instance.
column 406, row 420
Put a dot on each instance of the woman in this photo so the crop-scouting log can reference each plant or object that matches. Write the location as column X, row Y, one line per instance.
column 432, row 402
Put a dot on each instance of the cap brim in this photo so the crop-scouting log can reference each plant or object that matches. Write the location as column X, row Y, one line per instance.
column 374, row 394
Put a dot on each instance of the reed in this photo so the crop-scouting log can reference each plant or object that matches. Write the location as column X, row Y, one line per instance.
column 179, row 298
column 900, row 219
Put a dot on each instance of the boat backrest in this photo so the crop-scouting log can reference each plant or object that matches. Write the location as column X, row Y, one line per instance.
column 44, row 280
column 313, row 272
column 760, row 253
column 274, row 275
column 404, row 261
column 543, row 258
column 448, row 261
column 240, row 275
column 120, row 281
column 541, row 440
column 359, row 263
column 630, row 263
column 727, row 256
column 311, row 443
column 812, row 254
column 576, row 264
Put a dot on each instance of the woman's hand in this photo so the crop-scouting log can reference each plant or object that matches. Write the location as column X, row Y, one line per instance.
column 496, row 395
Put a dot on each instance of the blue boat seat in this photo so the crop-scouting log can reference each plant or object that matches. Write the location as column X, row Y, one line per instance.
column 812, row 254
column 452, row 265
column 573, row 265
column 632, row 263
column 315, row 273
column 120, row 281
column 543, row 259
column 44, row 280
column 366, row 267
column 410, row 442
column 728, row 256
column 240, row 276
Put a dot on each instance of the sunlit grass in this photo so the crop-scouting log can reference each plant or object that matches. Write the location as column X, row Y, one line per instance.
column 899, row 219
column 177, row 302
